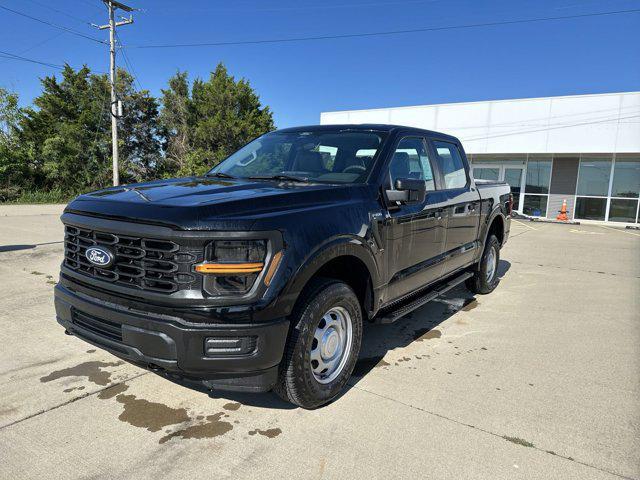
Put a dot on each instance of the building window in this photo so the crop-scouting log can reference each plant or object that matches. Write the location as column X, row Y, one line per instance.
column 486, row 173
column 590, row 208
column 535, row 205
column 626, row 177
column 625, row 189
column 536, row 189
column 622, row 210
column 594, row 175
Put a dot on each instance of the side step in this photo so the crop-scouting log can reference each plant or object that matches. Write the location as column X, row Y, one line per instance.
column 404, row 308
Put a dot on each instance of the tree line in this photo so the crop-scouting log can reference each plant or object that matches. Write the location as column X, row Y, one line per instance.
column 61, row 144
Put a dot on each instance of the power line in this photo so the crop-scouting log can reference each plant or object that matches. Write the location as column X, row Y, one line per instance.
column 92, row 5
column 385, row 33
column 61, row 12
column 60, row 27
column 128, row 63
column 38, row 44
column 12, row 56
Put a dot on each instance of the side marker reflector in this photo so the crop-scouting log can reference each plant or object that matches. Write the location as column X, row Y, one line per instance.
column 275, row 261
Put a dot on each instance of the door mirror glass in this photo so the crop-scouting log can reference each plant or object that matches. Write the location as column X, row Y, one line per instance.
column 408, row 191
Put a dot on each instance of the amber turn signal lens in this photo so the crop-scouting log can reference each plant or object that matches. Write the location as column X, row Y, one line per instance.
column 229, row 268
column 275, row 261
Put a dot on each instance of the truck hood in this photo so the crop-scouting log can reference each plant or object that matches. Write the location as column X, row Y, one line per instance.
column 202, row 203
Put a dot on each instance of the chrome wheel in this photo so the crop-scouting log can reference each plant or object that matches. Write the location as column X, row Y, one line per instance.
column 331, row 344
column 491, row 264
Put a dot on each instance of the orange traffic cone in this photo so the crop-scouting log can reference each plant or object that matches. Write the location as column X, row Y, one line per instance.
column 563, row 212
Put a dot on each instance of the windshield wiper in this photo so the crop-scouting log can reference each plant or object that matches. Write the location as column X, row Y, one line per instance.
column 219, row 175
column 291, row 178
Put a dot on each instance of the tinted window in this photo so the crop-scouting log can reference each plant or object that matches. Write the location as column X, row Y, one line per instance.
column 626, row 177
column 535, row 205
column 538, row 175
column 593, row 177
column 410, row 160
column 590, row 208
column 451, row 164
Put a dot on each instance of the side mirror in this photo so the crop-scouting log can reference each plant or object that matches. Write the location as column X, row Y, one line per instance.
column 408, row 190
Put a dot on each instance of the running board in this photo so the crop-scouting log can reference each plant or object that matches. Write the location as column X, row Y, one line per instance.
column 405, row 308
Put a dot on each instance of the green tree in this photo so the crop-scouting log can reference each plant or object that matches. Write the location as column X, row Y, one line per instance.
column 65, row 139
column 209, row 121
column 12, row 171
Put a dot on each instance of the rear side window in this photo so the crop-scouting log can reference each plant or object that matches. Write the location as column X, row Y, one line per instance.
column 411, row 160
column 451, row 164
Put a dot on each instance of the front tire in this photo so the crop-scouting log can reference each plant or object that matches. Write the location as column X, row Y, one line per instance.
column 323, row 344
column 485, row 278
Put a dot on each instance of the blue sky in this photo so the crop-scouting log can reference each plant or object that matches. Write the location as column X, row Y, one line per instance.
column 299, row 80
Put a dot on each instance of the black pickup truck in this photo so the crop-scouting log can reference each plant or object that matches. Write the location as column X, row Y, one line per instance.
column 260, row 274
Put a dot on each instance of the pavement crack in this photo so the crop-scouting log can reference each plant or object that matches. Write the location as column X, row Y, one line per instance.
column 72, row 400
column 493, row 434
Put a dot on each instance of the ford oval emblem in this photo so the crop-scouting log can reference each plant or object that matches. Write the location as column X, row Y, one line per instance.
column 99, row 256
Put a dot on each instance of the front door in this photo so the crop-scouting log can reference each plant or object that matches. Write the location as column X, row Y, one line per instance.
column 414, row 234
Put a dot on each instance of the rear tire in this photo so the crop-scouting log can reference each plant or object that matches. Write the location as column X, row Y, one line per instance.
column 323, row 345
column 485, row 278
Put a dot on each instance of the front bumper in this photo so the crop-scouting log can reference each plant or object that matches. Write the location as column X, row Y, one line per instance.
column 174, row 347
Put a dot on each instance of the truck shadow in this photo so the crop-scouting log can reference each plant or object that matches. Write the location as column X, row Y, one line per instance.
column 418, row 326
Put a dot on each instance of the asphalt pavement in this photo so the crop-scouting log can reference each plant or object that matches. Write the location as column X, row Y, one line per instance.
column 539, row 379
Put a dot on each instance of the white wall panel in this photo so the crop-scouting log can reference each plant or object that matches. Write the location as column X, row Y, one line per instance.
column 628, row 138
column 518, row 126
column 571, row 124
column 586, row 122
column 420, row 117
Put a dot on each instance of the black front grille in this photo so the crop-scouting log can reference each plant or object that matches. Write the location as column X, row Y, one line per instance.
column 143, row 263
column 98, row 326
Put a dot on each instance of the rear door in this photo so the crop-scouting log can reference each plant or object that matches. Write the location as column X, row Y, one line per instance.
column 414, row 233
column 463, row 205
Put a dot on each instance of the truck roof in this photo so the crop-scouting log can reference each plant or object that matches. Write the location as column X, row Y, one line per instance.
column 379, row 127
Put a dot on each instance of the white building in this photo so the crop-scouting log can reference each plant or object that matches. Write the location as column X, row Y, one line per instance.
column 584, row 149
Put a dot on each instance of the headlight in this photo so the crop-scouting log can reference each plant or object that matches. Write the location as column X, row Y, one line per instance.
column 232, row 266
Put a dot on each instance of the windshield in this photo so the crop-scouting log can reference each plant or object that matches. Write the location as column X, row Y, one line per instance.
column 322, row 156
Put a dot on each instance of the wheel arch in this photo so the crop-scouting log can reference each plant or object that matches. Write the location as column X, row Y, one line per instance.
column 347, row 259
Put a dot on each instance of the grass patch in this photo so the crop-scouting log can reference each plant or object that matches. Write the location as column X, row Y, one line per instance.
column 519, row 441
column 36, row 197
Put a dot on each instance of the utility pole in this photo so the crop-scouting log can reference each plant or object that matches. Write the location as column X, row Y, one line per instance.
column 116, row 108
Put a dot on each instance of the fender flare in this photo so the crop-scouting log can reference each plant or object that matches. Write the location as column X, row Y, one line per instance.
column 333, row 248
column 497, row 212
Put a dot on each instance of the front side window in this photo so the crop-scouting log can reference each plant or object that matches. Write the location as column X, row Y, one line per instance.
column 327, row 156
column 451, row 164
column 411, row 160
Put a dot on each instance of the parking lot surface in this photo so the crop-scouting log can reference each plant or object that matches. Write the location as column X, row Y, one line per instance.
column 540, row 379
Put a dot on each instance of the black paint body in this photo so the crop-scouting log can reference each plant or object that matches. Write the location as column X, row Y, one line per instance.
column 402, row 248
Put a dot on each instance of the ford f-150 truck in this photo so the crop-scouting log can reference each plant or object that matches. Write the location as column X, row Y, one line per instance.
column 260, row 274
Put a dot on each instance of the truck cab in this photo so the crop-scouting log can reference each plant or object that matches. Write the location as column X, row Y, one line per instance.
column 261, row 274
